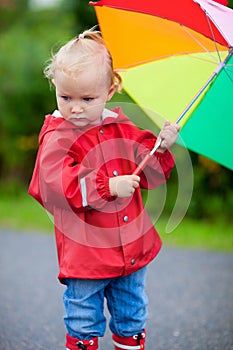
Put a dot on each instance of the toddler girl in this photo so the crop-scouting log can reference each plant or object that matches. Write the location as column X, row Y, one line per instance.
column 83, row 177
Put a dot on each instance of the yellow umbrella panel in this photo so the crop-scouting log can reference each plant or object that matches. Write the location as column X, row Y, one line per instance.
column 170, row 83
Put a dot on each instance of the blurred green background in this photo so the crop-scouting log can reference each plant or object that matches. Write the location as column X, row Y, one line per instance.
column 29, row 31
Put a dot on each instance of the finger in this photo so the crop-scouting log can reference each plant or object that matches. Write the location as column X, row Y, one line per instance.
column 135, row 178
column 160, row 139
column 163, row 144
column 135, row 184
column 177, row 126
column 167, row 122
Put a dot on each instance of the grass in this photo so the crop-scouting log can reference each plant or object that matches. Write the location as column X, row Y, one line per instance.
column 23, row 213
column 202, row 235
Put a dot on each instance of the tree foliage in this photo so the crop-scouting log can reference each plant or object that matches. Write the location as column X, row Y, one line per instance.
column 25, row 45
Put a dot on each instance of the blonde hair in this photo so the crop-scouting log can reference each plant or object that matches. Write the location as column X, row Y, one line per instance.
column 79, row 53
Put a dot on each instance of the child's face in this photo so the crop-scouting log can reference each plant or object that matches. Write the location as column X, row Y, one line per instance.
column 82, row 100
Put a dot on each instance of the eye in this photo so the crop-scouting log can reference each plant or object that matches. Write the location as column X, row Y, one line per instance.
column 66, row 98
column 88, row 99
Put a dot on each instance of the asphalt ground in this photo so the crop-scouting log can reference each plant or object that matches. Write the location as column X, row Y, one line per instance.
column 190, row 298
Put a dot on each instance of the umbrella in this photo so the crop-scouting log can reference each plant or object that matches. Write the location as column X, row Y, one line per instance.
column 176, row 59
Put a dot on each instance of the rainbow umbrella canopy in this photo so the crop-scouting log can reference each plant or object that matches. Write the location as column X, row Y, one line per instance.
column 176, row 60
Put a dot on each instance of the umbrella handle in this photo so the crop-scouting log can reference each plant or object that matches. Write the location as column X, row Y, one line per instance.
column 146, row 159
column 142, row 165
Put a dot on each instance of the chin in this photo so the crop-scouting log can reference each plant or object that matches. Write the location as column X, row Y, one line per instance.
column 78, row 122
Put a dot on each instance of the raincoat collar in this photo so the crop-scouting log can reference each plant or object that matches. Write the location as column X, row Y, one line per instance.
column 106, row 113
column 55, row 121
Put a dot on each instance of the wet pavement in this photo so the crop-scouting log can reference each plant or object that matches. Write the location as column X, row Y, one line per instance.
column 190, row 298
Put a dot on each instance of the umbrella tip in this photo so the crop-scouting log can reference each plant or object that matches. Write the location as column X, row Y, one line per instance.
column 94, row 3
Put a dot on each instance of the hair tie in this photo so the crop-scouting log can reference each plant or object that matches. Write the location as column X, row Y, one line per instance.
column 81, row 36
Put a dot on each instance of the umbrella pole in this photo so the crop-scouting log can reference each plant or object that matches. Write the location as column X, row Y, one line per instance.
column 146, row 159
column 215, row 73
column 221, row 65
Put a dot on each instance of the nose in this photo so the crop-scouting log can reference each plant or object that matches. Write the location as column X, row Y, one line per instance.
column 77, row 108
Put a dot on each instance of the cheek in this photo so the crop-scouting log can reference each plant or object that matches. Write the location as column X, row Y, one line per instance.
column 97, row 108
column 94, row 113
column 62, row 104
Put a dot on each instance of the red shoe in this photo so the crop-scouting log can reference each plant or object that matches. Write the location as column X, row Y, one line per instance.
column 136, row 342
column 76, row 344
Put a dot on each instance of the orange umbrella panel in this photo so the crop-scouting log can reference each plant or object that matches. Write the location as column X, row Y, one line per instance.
column 141, row 38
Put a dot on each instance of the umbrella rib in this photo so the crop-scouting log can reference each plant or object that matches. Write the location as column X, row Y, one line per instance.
column 228, row 75
column 226, row 68
column 212, row 33
column 221, row 66
column 202, row 59
column 199, row 43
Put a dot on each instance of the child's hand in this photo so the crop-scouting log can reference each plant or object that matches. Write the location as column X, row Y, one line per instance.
column 168, row 134
column 123, row 186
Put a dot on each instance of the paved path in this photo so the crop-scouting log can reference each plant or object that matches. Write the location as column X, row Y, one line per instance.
column 190, row 292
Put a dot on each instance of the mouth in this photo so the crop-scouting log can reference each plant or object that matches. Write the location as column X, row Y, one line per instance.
column 77, row 119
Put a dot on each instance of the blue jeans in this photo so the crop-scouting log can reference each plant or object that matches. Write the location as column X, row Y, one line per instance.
column 126, row 301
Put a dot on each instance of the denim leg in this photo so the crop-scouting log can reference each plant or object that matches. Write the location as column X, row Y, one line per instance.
column 84, row 304
column 127, row 303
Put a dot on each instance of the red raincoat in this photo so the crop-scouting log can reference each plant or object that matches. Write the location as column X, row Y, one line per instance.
column 97, row 235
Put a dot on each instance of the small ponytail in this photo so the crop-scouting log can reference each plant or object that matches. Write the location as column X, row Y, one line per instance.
column 118, row 80
column 91, row 34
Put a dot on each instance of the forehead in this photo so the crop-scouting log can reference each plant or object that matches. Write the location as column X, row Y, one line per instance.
column 90, row 80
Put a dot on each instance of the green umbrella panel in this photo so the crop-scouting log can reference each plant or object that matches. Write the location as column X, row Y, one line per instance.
column 209, row 130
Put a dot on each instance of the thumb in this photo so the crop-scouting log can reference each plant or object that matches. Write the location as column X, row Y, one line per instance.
column 177, row 126
column 167, row 122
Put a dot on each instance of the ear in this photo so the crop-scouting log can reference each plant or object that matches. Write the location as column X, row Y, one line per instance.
column 111, row 91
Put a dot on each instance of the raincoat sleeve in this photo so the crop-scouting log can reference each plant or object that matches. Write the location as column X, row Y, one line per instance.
column 61, row 180
column 158, row 170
